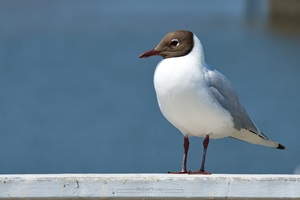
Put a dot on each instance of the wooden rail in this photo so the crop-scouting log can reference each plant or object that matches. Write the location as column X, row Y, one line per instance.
column 149, row 186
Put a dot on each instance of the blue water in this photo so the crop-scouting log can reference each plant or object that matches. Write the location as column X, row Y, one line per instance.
column 75, row 97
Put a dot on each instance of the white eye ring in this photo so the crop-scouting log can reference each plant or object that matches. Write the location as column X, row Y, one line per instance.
column 175, row 42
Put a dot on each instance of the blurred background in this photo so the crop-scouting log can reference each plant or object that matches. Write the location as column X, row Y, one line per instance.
column 75, row 97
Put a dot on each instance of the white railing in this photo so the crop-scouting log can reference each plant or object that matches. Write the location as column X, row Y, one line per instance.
column 149, row 186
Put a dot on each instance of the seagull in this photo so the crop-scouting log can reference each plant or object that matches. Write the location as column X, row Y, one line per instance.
column 197, row 99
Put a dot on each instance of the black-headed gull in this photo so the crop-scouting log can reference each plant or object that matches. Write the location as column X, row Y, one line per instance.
column 196, row 98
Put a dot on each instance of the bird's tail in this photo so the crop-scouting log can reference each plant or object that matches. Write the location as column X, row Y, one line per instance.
column 256, row 138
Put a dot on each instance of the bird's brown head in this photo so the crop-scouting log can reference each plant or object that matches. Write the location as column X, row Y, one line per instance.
column 174, row 44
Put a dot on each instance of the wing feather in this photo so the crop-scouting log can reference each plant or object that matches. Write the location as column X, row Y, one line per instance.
column 224, row 93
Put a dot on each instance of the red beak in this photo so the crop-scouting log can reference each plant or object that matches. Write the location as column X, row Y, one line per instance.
column 149, row 53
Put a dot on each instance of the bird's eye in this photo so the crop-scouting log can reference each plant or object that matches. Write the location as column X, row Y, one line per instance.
column 174, row 43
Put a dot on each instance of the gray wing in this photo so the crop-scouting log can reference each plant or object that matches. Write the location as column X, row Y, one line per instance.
column 224, row 93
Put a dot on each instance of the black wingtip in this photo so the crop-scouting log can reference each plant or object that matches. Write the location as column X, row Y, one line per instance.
column 280, row 147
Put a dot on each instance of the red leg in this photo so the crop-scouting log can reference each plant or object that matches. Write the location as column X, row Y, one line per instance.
column 186, row 146
column 205, row 145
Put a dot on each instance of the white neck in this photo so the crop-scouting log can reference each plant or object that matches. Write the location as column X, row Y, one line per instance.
column 175, row 72
column 197, row 51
